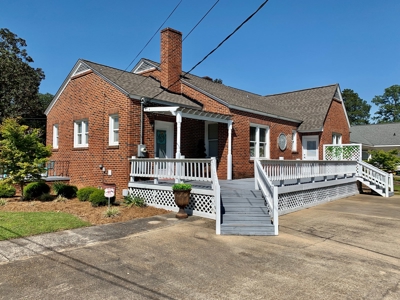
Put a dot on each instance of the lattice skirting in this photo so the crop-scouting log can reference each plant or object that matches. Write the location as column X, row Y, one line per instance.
column 202, row 205
column 290, row 202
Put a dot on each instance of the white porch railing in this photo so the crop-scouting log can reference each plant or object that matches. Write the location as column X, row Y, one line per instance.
column 269, row 191
column 171, row 168
column 281, row 170
column 377, row 177
column 217, row 195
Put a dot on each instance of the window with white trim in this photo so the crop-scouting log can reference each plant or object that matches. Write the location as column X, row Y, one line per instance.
column 81, row 133
column 294, row 141
column 336, row 138
column 259, row 141
column 113, row 133
column 55, row 136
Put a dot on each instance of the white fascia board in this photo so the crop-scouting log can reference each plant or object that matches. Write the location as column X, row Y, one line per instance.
column 140, row 63
column 63, row 86
column 264, row 114
column 171, row 109
column 385, row 146
column 343, row 106
column 205, row 93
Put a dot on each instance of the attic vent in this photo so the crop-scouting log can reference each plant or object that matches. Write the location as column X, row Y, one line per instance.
column 144, row 66
column 81, row 68
column 337, row 96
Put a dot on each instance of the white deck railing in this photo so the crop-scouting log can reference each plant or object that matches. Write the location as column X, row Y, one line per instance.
column 281, row 170
column 376, row 177
column 171, row 168
column 269, row 191
column 217, row 195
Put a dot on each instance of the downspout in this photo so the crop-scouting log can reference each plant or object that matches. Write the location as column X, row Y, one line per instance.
column 142, row 102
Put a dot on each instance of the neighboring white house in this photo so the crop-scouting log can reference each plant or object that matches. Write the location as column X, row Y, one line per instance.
column 376, row 137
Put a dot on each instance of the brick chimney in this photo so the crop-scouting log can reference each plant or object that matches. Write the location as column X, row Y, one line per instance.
column 171, row 59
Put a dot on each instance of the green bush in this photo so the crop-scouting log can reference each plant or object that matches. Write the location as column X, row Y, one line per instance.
column 182, row 187
column 7, row 190
column 35, row 189
column 57, row 186
column 97, row 198
column 67, row 191
column 134, row 201
column 84, row 193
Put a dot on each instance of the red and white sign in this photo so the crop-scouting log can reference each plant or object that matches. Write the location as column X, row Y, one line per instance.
column 109, row 192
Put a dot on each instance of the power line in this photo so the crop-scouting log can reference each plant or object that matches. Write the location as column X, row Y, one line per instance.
column 150, row 39
column 205, row 15
column 219, row 45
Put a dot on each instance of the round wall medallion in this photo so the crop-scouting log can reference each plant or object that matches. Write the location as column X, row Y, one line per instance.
column 282, row 141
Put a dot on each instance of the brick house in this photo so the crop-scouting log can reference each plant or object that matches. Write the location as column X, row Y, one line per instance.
column 101, row 116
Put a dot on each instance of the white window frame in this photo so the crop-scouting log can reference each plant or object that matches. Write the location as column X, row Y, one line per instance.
column 84, row 142
column 294, row 140
column 112, row 131
column 257, row 141
column 206, row 139
column 55, row 136
column 336, row 138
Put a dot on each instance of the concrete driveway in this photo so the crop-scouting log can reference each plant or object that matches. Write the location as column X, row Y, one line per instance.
column 346, row 249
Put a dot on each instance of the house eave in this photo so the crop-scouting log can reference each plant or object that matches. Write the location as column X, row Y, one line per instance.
column 311, row 130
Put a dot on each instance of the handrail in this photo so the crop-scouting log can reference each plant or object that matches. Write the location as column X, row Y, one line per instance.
column 217, row 195
column 171, row 168
column 376, row 176
column 269, row 191
column 279, row 170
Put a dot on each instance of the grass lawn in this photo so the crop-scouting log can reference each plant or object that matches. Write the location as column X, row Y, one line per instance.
column 396, row 184
column 21, row 224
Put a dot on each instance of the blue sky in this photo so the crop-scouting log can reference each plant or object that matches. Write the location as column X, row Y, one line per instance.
column 288, row 45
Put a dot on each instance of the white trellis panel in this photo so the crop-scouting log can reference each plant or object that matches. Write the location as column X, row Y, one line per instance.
column 343, row 152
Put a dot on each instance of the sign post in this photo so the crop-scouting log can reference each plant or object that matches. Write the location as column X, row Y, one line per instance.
column 109, row 192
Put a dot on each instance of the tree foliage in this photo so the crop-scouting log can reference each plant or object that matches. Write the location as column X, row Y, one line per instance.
column 388, row 105
column 19, row 82
column 357, row 108
column 385, row 160
column 22, row 155
column 217, row 80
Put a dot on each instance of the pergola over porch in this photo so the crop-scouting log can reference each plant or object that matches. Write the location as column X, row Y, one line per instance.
column 190, row 113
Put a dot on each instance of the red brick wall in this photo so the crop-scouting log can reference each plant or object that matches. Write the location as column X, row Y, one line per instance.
column 89, row 97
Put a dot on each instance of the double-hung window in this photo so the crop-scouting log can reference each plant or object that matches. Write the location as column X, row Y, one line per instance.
column 259, row 141
column 113, row 133
column 81, row 133
column 336, row 138
column 55, row 136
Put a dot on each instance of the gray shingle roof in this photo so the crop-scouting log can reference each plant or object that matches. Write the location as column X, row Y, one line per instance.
column 309, row 106
column 138, row 85
column 376, row 134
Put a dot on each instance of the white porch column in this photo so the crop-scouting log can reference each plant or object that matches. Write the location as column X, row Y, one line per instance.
column 178, row 144
column 229, row 157
column 178, row 134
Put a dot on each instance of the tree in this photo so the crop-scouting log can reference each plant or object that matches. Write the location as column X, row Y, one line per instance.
column 357, row 108
column 22, row 155
column 19, row 82
column 217, row 80
column 385, row 160
column 389, row 105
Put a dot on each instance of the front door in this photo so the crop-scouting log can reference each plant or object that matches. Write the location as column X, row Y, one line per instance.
column 164, row 145
column 310, row 147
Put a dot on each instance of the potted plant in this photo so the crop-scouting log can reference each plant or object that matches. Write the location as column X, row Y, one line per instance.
column 182, row 196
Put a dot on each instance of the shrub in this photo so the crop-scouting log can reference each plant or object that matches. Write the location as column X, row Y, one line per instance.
column 134, row 201
column 35, row 189
column 97, row 198
column 60, row 199
column 84, row 193
column 181, row 187
column 7, row 190
column 46, row 197
column 67, row 191
column 111, row 212
column 3, row 202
